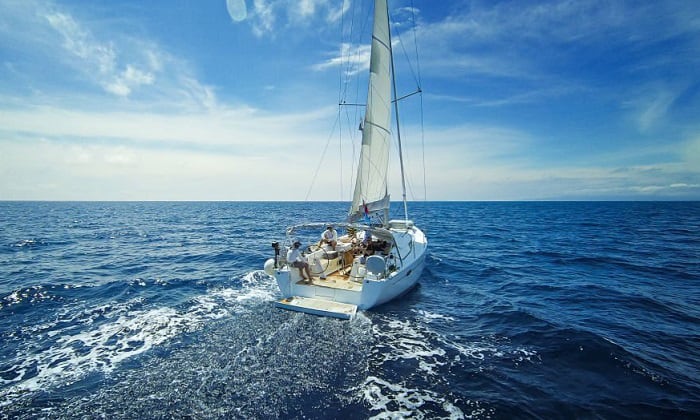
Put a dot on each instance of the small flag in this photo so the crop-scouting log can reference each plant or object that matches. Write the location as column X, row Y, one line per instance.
column 366, row 211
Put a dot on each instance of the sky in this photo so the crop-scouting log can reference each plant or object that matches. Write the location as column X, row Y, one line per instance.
column 238, row 99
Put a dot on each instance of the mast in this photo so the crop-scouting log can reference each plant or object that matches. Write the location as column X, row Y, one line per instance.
column 396, row 116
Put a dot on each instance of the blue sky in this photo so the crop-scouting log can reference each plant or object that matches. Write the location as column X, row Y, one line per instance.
column 209, row 100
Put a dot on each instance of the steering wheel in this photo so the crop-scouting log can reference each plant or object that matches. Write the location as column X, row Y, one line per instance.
column 323, row 262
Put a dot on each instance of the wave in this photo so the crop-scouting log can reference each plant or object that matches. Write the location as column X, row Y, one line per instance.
column 415, row 351
column 99, row 338
column 261, row 363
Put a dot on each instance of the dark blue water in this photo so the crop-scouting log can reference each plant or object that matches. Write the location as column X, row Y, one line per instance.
column 525, row 310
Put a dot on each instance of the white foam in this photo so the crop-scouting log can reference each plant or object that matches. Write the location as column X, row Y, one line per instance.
column 402, row 341
column 25, row 243
column 493, row 348
column 31, row 294
column 406, row 340
column 102, row 348
column 99, row 338
column 431, row 316
column 12, row 299
column 397, row 401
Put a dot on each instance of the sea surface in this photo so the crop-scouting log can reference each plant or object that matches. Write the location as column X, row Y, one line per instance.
column 525, row 310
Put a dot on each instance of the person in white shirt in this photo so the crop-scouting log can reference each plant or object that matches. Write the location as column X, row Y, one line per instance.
column 295, row 259
column 330, row 237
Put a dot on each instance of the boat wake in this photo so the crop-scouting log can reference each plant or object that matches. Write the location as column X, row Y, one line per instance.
column 411, row 360
column 230, row 352
column 78, row 342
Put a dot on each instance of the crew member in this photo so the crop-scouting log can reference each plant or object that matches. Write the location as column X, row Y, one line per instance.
column 330, row 237
column 295, row 259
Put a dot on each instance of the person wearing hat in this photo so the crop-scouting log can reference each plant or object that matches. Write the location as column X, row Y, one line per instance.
column 295, row 259
column 330, row 237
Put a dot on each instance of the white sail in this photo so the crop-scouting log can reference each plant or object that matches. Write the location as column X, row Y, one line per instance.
column 371, row 193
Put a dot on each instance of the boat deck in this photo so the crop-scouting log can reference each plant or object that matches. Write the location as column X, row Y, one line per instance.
column 335, row 281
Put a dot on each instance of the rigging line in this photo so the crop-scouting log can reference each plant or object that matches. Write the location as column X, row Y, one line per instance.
column 346, row 52
column 408, row 60
column 409, row 184
column 341, row 80
column 351, row 135
column 352, row 114
column 340, row 154
column 350, row 59
column 396, row 115
column 366, row 26
column 347, row 67
column 343, row 88
column 318, row 168
column 415, row 42
column 340, row 69
column 340, row 87
column 422, row 142
column 417, row 78
column 422, row 127
column 345, row 61
column 408, row 96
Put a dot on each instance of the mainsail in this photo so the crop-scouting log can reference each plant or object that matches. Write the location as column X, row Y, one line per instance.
column 371, row 193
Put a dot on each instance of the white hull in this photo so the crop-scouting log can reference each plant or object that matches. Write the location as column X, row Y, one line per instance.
column 355, row 285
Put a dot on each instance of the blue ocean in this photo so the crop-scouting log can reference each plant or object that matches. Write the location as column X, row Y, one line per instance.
column 525, row 310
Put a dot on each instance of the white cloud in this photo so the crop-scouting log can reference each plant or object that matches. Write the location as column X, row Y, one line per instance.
column 100, row 60
column 225, row 154
column 81, row 52
column 528, row 96
column 264, row 17
column 473, row 162
column 271, row 17
column 651, row 105
column 335, row 14
column 354, row 59
column 691, row 152
column 516, row 39
column 241, row 128
column 307, row 7
column 77, row 41
column 500, row 179
column 85, row 53
column 50, row 171
column 130, row 78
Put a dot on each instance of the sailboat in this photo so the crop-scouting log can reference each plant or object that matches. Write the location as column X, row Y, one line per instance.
column 376, row 259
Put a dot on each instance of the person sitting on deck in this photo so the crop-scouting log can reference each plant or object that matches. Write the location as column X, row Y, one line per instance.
column 366, row 238
column 377, row 247
column 330, row 237
column 295, row 259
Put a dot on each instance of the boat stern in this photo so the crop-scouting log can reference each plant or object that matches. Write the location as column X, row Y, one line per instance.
column 321, row 307
column 282, row 275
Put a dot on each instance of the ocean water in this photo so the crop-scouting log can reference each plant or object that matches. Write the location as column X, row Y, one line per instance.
column 524, row 310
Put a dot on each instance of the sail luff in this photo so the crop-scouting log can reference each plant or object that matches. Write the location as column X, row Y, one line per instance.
column 371, row 193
